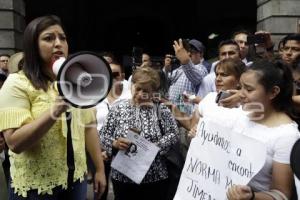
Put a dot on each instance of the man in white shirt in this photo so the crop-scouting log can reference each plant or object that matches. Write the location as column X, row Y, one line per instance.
column 241, row 39
column 227, row 49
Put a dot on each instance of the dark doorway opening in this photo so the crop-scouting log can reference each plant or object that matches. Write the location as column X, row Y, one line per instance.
column 117, row 26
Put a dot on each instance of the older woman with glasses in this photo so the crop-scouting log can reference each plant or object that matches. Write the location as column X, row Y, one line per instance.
column 140, row 113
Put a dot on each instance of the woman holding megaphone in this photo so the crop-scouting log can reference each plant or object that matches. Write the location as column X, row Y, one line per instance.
column 35, row 125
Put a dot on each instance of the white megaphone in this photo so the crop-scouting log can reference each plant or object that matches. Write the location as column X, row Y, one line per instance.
column 83, row 79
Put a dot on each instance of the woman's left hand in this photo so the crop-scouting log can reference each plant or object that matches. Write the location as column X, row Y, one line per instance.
column 99, row 183
column 239, row 192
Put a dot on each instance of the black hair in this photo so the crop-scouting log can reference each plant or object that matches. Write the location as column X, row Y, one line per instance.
column 242, row 31
column 294, row 36
column 228, row 42
column 32, row 66
column 281, row 42
column 272, row 74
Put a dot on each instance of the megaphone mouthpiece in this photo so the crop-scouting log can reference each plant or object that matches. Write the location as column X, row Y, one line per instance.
column 84, row 79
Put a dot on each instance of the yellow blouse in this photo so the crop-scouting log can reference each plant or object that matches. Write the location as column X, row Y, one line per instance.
column 44, row 166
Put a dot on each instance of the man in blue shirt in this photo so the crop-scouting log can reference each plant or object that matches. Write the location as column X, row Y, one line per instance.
column 188, row 77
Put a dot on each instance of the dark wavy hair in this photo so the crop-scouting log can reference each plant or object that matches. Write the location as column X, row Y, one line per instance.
column 276, row 73
column 32, row 66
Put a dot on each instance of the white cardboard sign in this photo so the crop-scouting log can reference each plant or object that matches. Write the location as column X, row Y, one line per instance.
column 136, row 161
column 217, row 159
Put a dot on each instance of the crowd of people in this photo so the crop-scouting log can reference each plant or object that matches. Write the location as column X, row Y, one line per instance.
column 51, row 150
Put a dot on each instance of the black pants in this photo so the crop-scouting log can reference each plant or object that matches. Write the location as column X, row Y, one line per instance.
column 173, row 180
column 6, row 166
column 146, row 191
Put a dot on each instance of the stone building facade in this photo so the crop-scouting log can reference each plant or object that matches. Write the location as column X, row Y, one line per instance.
column 280, row 17
column 12, row 24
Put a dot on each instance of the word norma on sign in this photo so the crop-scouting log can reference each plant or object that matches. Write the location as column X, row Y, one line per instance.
column 217, row 158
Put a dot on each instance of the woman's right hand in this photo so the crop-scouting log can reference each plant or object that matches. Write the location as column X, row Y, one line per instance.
column 121, row 143
column 60, row 106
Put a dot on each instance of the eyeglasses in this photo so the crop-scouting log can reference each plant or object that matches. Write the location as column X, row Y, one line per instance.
column 116, row 74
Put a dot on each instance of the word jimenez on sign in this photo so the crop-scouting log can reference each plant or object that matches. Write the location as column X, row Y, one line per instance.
column 217, row 158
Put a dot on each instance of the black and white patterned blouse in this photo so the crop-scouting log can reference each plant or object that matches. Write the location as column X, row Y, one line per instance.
column 125, row 115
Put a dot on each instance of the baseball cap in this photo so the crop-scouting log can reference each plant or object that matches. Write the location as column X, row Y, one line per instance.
column 197, row 45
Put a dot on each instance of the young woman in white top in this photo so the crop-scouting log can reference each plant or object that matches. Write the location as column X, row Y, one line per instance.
column 266, row 91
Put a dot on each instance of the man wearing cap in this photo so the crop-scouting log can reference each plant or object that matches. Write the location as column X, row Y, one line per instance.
column 227, row 49
column 188, row 77
column 200, row 48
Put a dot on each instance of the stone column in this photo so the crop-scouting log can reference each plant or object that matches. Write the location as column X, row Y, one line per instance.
column 12, row 25
column 280, row 17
